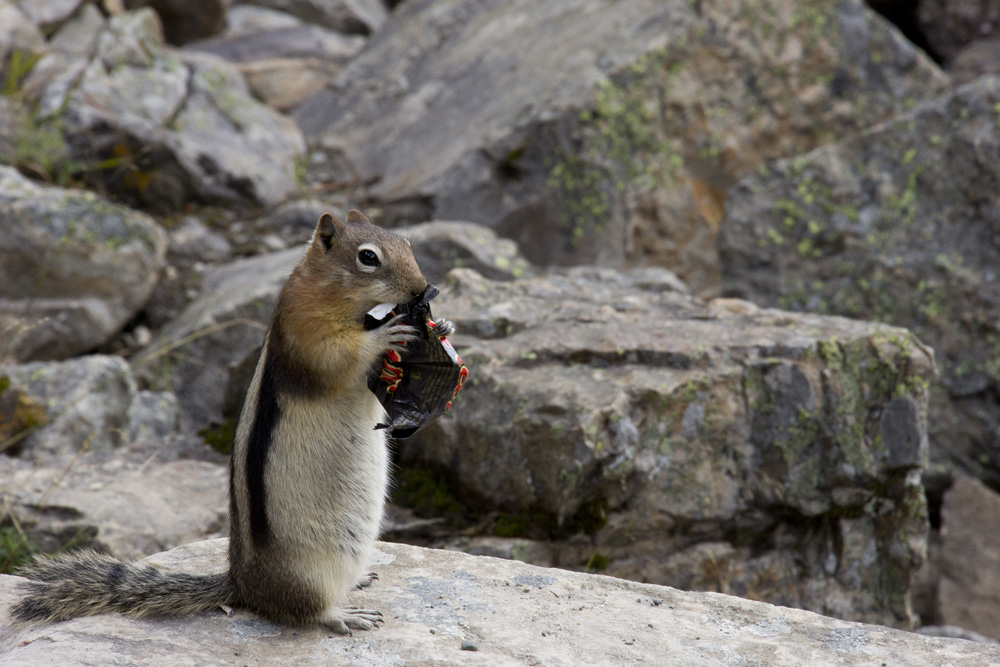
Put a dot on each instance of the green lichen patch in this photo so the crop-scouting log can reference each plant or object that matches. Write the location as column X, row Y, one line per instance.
column 428, row 493
column 621, row 146
column 219, row 436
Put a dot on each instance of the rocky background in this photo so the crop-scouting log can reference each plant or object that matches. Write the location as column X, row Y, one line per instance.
column 724, row 274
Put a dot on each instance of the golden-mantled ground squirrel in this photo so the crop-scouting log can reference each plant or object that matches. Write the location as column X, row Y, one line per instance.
column 309, row 472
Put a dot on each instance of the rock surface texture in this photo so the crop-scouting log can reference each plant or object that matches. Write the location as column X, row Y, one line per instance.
column 359, row 17
column 952, row 24
column 87, row 400
column 74, row 268
column 899, row 225
column 767, row 454
column 284, row 60
column 968, row 592
column 520, row 115
column 438, row 603
column 186, row 20
column 175, row 125
column 130, row 504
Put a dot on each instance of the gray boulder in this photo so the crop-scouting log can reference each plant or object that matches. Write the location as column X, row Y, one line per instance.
column 949, row 26
column 438, row 603
column 770, row 454
column 177, row 125
column 49, row 14
column 602, row 132
column 440, row 246
column 978, row 58
column 186, row 20
column 74, row 268
column 86, row 399
column 263, row 35
column 129, row 504
column 968, row 590
column 360, row 17
column 897, row 225
column 19, row 33
column 284, row 60
column 94, row 462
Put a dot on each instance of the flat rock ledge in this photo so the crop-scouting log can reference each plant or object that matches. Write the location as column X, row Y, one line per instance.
column 508, row 612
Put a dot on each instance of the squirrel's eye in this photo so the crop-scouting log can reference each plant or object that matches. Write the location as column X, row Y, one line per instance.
column 368, row 258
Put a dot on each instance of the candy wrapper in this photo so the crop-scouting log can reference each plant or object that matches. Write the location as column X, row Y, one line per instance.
column 417, row 386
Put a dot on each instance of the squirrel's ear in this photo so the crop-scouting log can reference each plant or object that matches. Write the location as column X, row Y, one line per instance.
column 354, row 215
column 328, row 230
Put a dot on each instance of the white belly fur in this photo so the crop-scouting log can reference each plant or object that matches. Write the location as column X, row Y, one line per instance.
column 326, row 482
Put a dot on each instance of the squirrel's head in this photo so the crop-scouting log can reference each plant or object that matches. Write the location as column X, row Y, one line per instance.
column 361, row 264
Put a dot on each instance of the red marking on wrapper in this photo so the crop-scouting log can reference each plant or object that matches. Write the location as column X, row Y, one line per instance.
column 462, row 374
column 391, row 375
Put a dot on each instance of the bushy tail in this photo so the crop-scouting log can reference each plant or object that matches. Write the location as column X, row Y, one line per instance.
column 87, row 583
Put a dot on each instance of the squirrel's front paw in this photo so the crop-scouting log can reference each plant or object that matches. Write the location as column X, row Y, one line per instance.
column 393, row 336
column 443, row 327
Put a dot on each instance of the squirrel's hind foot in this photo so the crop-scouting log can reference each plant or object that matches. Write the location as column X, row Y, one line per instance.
column 366, row 580
column 342, row 619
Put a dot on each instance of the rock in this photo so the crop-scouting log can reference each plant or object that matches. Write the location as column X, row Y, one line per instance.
column 288, row 224
column 192, row 240
column 250, row 40
column 513, row 613
column 128, row 504
column 152, row 419
column 296, row 218
column 615, row 417
column 177, row 125
column 247, row 19
column 74, row 268
column 10, row 114
column 70, row 48
column 979, row 58
column 48, row 15
column 360, row 17
column 954, row 633
column 893, row 225
column 968, row 591
column 441, row 246
column 18, row 34
column 283, row 60
column 949, row 26
column 616, row 146
column 186, row 20
column 20, row 415
column 96, row 469
column 194, row 354
column 284, row 83
column 87, row 402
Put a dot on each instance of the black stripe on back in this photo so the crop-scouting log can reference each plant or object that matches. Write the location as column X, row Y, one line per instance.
column 264, row 422
column 286, row 375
